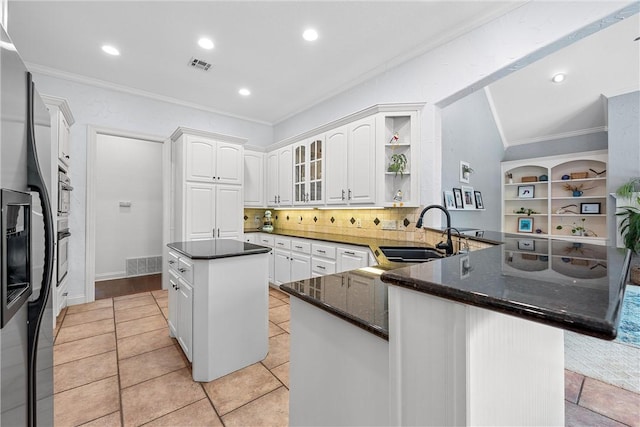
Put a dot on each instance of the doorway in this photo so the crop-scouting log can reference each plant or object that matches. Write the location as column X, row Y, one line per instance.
column 126, row 205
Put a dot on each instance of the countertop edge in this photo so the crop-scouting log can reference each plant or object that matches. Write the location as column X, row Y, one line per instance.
column 356, row 321
column 230, row 255
column 579, row 324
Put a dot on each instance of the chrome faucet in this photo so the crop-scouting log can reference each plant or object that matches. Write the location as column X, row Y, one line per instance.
column 448, row 246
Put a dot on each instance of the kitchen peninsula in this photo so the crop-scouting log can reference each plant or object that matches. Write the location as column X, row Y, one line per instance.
column 218, row 304
column 472, row 339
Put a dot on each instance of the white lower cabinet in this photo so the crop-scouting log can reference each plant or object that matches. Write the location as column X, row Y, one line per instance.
column 218, row 312
column 282, row 266
column 185, row 317
column 300, row 266
column 351, row 259
column 295, row 258
column 181, row 302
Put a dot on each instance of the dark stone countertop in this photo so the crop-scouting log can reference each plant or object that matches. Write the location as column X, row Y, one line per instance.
column 357, row 296
column 219, row 248
column 569, row 285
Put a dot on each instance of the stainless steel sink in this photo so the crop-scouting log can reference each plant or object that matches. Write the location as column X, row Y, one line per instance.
column 410, row 253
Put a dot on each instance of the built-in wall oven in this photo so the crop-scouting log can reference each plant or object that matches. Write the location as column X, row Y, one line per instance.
column 16, row 252
column 63, row 248
column 64, row 193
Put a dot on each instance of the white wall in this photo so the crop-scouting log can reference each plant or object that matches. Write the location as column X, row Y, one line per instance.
column 460, row 66
column 132, row 113
column 127, row 170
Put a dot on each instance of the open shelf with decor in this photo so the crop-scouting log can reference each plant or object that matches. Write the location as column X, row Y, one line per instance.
column 565, row 196
column 399, row 183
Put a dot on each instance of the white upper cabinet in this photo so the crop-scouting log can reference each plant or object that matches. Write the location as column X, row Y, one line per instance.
column 361, row 162
column 351, row 155
column 254, row 182
column 308, row 172
column 213, row 161
column 336, row 159
column 206, row 191
column 280, row 177
column 364, row 159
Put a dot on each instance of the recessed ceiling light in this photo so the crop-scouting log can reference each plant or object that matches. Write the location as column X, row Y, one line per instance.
column 244, row 91
column 205, row 43
column 110, row 50
column 310, row 35
column 558, row 78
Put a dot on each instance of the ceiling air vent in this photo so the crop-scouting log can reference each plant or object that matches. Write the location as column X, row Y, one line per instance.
column 199, row 64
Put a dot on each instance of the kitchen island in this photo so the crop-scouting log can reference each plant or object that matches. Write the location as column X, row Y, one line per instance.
column 218, row 304
column 473, row 339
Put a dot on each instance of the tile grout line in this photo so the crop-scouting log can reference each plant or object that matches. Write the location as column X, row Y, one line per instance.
column 115, row 332
column 259, row 397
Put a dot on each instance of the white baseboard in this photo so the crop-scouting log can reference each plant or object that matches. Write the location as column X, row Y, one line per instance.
column 76, row 300
column 110, row 276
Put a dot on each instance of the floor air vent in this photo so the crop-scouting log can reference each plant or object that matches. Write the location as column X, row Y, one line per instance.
column 199, row 64
column 143, row 265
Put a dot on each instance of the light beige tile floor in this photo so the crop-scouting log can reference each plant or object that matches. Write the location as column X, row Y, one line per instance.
column 115, row 365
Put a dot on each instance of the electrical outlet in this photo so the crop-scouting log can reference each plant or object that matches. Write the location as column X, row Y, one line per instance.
column 389, row 224
column 358, row 223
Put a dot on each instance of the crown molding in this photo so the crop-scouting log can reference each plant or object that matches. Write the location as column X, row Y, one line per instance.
column 255, row 148
column 62, row 104
column 52, row 72
column 374, row 109
column 204, row 134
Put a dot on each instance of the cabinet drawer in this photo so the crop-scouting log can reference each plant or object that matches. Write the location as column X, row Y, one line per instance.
column 266, row 240
column 322, row 267
column 185, row 269
column 283, row 243
column 300, row 246
column 173, row 261
column 325, row 251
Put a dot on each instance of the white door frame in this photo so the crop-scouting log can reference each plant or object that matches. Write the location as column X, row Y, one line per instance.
column 90, row 213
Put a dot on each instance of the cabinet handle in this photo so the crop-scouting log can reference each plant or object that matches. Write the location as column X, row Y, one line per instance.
column 182, row 270
column 342, row 194
column 321, row 267
column 275, row 199
column 298, row 247
column 349, row 253
column 349, row 194
column 280, row 243
column 307, row 198
column 65, row 293
column 321, row 251
column 218, row 232
column 172, row 262
column 278, row 199
column 67, row 157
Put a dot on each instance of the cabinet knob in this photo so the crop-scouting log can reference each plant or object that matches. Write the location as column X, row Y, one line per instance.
column 65, row 294
column 67, row 157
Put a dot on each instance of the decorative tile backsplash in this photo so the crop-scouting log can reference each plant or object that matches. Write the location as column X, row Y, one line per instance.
column 343, row 221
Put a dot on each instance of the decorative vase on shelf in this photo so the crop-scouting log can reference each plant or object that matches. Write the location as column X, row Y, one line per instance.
column 577, row 193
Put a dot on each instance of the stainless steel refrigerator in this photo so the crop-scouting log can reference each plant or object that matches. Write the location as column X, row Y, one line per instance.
column 26, row 335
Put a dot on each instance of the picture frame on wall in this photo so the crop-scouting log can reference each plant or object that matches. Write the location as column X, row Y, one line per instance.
column 526, row 191
column 468, row 199
column 479, row 202
column 457, row 193
column 525, row 225
column 590, row 208
column 449, row 200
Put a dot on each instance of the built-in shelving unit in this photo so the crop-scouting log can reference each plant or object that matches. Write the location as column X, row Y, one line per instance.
column 555, row 210
column 400, row 138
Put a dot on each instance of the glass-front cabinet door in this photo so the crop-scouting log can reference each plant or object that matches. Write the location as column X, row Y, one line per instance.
column 308, row 171
column 299, row 174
